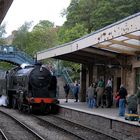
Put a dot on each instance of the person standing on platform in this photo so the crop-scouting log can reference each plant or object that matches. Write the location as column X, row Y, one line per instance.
column 100, row 93
column 117, row 98
column 76, row 91
column 122, row 101
column 132, row 104
column 90, row 95
column 138, row 100
column 109, row 93
column 66, row 89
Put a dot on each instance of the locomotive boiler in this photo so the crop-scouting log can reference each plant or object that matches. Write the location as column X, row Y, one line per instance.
column 32, row 88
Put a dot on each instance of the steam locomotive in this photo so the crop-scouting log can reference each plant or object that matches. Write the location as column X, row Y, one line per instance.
column 32, row 88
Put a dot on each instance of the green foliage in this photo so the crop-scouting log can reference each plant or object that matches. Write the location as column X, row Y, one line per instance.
column 2, row 41
column 80, row 11
column 43, row 24
column 43, row 36
column 108, row 12
column 21, row 37
column 6, row 65
column 73, row 69
column 96, row 14
column 3, row 65
column 2, row 32
column 67, row 35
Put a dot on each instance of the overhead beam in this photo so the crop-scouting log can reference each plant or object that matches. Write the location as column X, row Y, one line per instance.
column 91, row 56
column 99, row 52
column 72, row 59
column 124, row 44
column 116, row 49
column 131, row 36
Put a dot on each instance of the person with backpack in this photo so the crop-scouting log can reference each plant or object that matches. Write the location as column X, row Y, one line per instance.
column 122, row 100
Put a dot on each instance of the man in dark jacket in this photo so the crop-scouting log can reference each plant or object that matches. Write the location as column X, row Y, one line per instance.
column 66, row 89
column 122, row 101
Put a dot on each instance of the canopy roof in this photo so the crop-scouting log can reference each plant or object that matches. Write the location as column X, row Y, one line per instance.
column 106, row 44
column 4, row 6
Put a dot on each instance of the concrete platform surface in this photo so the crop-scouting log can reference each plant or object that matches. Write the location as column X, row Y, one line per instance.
column 110, row 113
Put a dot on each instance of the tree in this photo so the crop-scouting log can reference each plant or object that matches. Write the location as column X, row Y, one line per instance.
column 72, row 14
column 2, row 33
column 21, row 37
column 108, row 12
column 43, row 24
column 80, row 12
column 66, row 35
column 96, row 14
column 42, row 36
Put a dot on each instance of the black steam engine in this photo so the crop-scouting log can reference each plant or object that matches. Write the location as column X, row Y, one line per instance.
column 32, row 88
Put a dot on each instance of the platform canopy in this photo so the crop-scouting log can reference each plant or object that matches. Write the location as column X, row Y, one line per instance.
column 105, row 45
column 4, row 6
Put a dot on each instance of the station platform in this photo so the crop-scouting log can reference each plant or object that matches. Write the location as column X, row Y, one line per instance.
column 104, row 120
column 110, row 113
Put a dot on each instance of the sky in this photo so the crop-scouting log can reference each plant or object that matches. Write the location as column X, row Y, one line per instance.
column 22, row 11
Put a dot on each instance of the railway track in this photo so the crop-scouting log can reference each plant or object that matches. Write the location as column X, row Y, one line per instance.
column 77, row 130
column 59, row 128
column 51, row 127
column 2, row 135
column 14, row 129
column 47, row 131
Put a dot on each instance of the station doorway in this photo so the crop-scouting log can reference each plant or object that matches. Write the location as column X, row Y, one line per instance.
column 118, row 83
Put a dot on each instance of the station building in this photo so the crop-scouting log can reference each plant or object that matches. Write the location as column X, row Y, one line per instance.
column 111, row 52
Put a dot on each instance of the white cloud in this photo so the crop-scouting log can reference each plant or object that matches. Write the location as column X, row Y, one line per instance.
column 34, row 10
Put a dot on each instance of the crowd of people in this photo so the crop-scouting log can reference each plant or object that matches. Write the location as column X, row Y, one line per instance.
column 101, row 95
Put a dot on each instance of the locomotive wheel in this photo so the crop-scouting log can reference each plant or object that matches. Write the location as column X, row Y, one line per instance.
column 29, row 110
column 14, row 103
column 46, row 110
column 54, row 109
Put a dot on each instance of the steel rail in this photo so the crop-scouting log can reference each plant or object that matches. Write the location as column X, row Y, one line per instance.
column 3, row 135
column 59, row 128
column 25, row 126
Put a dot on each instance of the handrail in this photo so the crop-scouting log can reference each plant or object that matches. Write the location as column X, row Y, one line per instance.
column 21, row 55
column 25, row 56
column 63, row 72
column 68, row 79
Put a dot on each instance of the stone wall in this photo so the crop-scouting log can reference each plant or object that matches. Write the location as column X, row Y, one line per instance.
column 108, row 126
